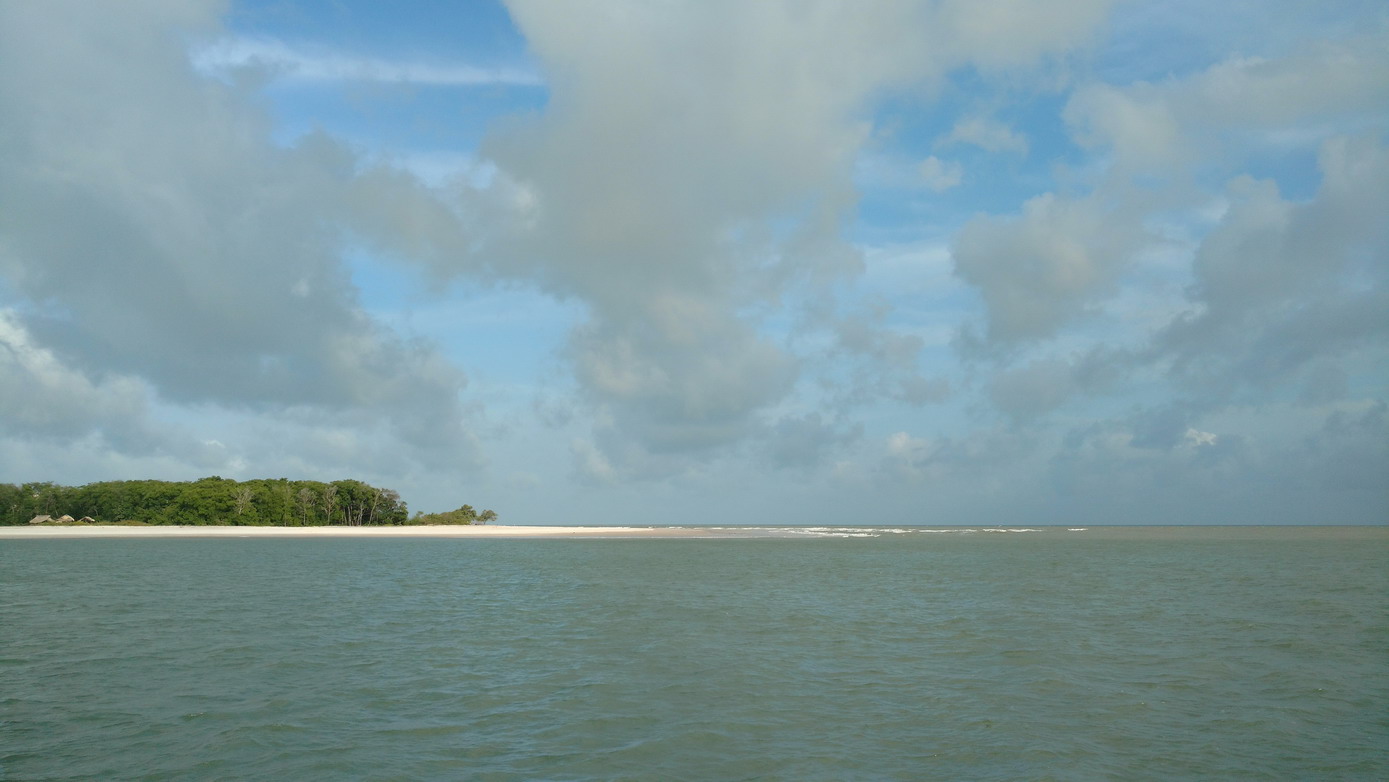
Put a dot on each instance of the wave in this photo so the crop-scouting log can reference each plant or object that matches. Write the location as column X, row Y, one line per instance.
column 866, row 532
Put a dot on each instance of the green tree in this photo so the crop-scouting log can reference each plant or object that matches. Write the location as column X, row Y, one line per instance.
column 211, row 500
column 12, row 504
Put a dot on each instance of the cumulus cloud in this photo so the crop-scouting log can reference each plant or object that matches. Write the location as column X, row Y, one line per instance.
column 1004, row 33
column 1283, row 292
column 1239, row 102
column 1039, row 270
column 160, row 234
column 670, row 131
column 1182, row 317
column 674, row 135
column 1285, row 298
column 873, row 361
column 680, row 378
column 692, row 173
column 41, row 397
column 1285, row 286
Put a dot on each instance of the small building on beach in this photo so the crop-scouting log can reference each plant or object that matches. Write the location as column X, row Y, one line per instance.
column 44, row 519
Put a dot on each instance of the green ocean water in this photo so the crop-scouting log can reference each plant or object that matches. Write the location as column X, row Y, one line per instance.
column 861, row 654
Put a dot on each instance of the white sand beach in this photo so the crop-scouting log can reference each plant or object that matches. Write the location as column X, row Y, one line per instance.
column 425, row 531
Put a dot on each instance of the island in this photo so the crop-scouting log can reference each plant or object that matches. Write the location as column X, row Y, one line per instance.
column 221, row 502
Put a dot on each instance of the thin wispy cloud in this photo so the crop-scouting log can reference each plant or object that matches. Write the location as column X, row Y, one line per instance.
column 988, row 134
column 317, row 65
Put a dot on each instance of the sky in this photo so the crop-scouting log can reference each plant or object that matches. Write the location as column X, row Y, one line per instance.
column 981, row 262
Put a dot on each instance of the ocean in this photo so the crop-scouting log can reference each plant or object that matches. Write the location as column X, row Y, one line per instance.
column 825, row 654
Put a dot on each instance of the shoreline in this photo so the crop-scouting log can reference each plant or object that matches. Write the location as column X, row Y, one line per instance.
column 1375, row 534
column 422, row 531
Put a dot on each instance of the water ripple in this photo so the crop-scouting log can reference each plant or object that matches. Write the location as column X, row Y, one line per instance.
column 894, row 655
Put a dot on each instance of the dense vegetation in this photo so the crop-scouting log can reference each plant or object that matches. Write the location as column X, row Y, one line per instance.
column 464, row 515
column 271, row 502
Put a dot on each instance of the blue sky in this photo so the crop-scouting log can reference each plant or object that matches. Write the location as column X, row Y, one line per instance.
column 896, row 262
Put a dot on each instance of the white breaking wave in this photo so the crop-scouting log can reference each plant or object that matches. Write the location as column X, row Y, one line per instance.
column 864, row 532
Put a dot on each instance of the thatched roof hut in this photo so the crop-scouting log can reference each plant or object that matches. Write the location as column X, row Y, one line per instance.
column 44, row 519
column 86, row 520
column 65, row 519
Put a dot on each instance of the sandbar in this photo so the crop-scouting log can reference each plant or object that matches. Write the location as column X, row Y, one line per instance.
column 421, row 531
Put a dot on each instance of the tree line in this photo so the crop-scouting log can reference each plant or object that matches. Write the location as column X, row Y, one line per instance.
column 222, row 501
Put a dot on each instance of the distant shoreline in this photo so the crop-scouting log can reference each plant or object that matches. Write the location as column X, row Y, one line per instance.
column 420, row 531
column 1375, row 533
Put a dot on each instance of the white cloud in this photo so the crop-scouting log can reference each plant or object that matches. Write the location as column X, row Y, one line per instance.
column 1284, row 287
column 986, row 133
column 996, row 34
column 871, row 360
column 176, row 300
column 673, row 128
column 1039, row 270
column 653, row 151
column 940, row 175
column 1197, row 438
column 1152, row 127
column 316, row 64
column 1281, row 293
column 169, row 239
column 42, row 397
column 903, row 445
